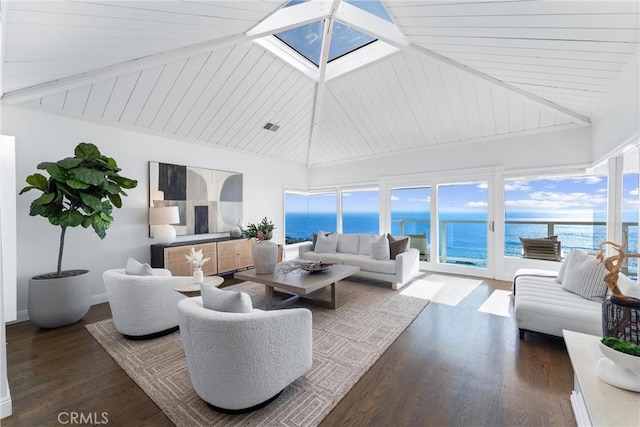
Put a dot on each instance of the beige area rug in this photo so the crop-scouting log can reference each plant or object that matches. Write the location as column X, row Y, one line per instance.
column 346, row 343
column 448, row 290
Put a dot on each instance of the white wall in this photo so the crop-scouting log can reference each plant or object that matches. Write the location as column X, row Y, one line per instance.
column 617, row 121
column 542, row 150
column 41, row 136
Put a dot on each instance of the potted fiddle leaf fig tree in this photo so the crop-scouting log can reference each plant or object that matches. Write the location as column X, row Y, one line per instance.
column 79, row 191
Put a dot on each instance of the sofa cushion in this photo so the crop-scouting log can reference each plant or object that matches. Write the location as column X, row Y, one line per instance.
column 364, row 246
column 348, row 243
column 397, row 245
column 334, row 258
column 584, row 276
column 371, row 265
column 227, row 301
column 135, row 268
column 326, row 243
column 380, row 248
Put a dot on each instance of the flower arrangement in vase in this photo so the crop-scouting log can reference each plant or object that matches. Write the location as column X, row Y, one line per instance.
column 197, row 260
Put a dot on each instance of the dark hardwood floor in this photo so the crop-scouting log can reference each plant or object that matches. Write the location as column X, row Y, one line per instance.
column 451, row 366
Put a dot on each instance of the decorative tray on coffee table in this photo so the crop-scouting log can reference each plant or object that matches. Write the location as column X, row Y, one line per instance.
column 316, row 267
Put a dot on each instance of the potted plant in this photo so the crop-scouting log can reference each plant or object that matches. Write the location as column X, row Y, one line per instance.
column 80, row 191
column 265, row 252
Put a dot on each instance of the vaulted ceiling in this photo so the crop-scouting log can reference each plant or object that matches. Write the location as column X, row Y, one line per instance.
column 212, row 72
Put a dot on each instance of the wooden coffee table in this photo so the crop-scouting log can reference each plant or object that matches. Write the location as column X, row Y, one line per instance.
column 300, row 283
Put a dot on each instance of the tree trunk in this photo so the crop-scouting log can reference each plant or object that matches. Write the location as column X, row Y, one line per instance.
column 64, row 230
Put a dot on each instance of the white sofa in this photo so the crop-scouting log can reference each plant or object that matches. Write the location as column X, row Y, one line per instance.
column 398, row 271
column 541, row 305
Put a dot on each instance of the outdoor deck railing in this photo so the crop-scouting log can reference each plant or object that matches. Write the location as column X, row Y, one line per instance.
column 550, row 229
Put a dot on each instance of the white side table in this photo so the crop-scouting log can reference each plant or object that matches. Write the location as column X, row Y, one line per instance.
column 594, row 402
column 195, row 287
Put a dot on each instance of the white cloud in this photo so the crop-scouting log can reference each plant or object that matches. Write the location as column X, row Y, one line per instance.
column 473, row 205
column 548, row 200
column 588, row 179
column 483, row 185
column 634, row 192
column 395, row 198
column 631, row 203
column 420, row 199
column 517, row 186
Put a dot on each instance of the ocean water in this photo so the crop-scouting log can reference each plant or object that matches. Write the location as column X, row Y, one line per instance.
column 466, row 233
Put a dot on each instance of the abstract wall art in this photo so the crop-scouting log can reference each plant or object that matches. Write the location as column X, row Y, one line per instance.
column 209, row 200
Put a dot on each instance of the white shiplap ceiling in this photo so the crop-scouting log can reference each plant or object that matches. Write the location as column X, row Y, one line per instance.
column 211, row 72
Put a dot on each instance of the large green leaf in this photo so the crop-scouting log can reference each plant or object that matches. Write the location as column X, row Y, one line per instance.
column 90, row 176
column 56, row 172
column 93, row 202
column 45, row 199
column 38, row 181
column 70, row 219
column 116, row 200
column 112, row 188
column 44, row 165
column 125, row 182
column 87, row 151
column 69, row 162
column 77, row 185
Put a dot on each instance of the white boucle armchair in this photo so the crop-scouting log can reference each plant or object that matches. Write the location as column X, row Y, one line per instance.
column 239, row 362
column 144, row 307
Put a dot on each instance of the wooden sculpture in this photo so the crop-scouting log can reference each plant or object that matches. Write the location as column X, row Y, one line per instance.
column 613, row 264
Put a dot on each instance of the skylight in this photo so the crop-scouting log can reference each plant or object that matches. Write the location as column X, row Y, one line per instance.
column 361, row 31
column 307, row 40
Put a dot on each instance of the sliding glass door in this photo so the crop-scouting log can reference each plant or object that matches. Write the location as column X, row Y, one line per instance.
column 463, row 224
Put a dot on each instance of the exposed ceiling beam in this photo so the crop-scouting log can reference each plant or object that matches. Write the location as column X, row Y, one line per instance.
column 320, row 87
column 290, row 17
column 281, row 20
column 381, row 29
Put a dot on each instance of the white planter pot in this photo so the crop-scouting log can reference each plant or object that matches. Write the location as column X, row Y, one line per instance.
column 265, row 256
column 198, row 276
column 59, row 301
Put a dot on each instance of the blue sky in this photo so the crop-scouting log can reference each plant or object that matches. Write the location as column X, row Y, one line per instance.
column 577, row 196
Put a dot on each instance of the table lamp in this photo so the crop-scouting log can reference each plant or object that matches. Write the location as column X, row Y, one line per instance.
column 161, row 217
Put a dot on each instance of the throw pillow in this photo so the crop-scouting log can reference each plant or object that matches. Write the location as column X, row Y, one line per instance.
column 380, row 248
column 227, row 301
column 348, row 243
column 135, row 268
column 584, row 276
column 563, row 267
column 364, row 246
column 326, row 244
column 314, row 238
column 397, row 246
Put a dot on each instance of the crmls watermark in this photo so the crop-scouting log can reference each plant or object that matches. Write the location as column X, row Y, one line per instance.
column 93, row 418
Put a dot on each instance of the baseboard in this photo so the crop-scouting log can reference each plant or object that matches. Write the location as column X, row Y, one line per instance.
column 23, row 315
column 6, row 408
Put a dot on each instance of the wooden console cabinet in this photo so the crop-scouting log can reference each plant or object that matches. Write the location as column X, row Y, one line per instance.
column 234, row 255
column 226, row 255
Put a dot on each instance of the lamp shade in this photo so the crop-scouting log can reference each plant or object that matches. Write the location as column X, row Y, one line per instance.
column 164, row 215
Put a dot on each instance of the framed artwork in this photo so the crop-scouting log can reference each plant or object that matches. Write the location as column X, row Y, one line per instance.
column 209, row 200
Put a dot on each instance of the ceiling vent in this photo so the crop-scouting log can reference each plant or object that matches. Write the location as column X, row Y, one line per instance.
column 271, row 127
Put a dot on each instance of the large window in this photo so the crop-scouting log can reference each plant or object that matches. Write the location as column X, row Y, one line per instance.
column 572, row 208
column 462, row 224
column 360, row 211
column 306, row 214
column 411, row 216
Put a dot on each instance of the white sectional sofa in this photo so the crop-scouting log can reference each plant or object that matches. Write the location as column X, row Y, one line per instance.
column 352, row 250
column 542, row 305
